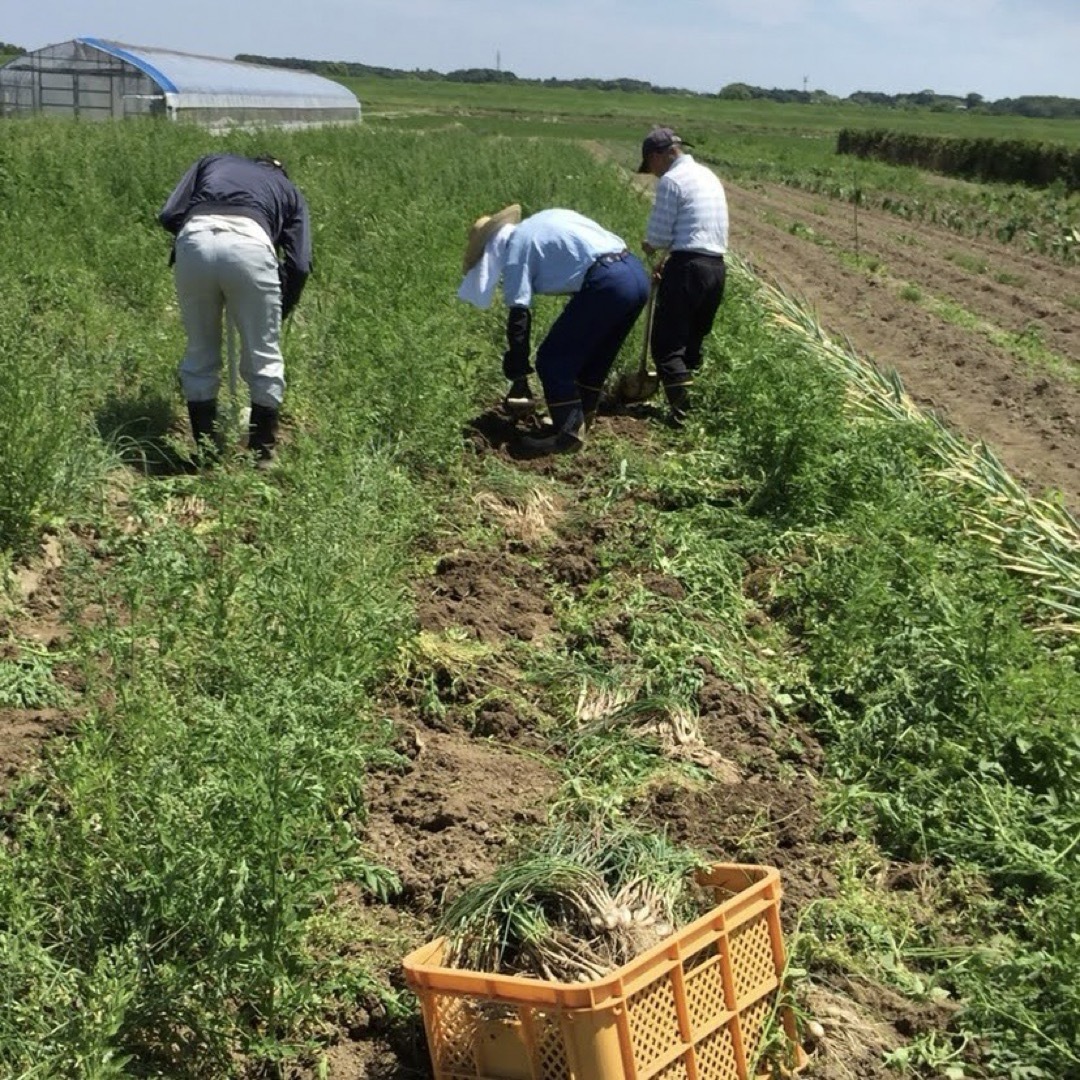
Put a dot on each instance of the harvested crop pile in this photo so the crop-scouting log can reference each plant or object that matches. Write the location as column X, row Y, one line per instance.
column 576, row 905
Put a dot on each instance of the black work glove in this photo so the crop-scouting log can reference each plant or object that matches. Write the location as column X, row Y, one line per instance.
column 291, row 288
column 516, row 358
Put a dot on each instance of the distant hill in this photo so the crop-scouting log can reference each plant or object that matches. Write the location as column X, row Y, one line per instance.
column 1042, row 106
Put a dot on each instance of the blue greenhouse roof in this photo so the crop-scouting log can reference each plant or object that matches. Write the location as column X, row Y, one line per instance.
column 206, row 79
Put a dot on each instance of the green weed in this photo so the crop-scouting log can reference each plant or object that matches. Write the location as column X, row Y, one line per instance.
column 28, row 682
column 971, row 263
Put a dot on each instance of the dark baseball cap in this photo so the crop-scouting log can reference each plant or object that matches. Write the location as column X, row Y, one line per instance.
column 657, row 141
column 269, row 159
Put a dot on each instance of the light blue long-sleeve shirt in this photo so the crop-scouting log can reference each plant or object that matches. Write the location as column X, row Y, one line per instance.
column 550, row 253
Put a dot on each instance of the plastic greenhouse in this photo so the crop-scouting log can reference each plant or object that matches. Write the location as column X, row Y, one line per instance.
column 94, row 79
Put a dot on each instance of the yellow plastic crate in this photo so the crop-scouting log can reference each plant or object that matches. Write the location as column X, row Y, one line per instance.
column 697, row 1006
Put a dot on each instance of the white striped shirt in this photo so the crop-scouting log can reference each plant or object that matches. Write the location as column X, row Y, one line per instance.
column 690, row 212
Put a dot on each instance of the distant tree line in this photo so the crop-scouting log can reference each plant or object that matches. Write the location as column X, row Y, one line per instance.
column 7, row 49
column 1043, row 106
column 342, row 68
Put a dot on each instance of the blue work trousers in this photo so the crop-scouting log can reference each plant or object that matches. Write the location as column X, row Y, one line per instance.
column 585, row 339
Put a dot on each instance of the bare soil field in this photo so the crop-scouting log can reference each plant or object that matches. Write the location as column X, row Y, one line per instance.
column 880, row 281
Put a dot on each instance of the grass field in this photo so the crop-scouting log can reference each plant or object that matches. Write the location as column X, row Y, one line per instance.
column 625, row 113
column 228, row 643
column 748, row 142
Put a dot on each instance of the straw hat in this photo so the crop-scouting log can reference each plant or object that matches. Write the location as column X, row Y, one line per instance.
column 483, row 229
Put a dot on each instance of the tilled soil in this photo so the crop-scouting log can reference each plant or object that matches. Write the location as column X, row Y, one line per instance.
column 33, row 616
column 886, row 303
column 481, row 767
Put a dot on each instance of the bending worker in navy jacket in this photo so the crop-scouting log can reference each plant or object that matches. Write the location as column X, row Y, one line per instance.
column 229, row 215
column 556, row 252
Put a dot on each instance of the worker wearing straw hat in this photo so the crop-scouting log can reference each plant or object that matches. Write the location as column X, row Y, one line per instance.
column 556, row 252
column 230, row 215
column 689, row 221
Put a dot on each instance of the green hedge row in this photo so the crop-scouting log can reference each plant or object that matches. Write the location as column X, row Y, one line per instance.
column 1012, row 161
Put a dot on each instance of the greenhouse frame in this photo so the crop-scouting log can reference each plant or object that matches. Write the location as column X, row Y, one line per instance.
column 91, row 78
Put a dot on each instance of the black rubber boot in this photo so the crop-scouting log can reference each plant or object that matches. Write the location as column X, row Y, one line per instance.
column 679, row 403
column 567, row 434
column 262, row 434
column 204, row 430
column 590, row 402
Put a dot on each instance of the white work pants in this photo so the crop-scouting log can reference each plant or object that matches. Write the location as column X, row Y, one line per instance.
column 221, row 265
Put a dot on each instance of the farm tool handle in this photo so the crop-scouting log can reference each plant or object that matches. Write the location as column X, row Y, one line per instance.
column 650, row 304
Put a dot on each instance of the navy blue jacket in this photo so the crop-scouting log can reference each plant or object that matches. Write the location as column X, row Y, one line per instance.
column 229, row 184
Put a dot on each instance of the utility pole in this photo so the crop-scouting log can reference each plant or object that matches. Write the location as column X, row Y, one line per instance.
column 805, row 79
column 498, row 60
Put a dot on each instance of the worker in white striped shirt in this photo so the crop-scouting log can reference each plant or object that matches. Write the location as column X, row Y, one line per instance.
column 688, row 231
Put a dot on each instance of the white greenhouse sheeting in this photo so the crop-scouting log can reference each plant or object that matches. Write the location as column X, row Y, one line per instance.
column 98, row 79
column 206, row 82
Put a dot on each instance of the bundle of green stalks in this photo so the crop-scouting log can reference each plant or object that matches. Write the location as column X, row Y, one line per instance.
column 1035, row 537
column 575, row 906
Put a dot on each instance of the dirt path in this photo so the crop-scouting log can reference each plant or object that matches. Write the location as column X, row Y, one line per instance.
column 32, row 626
column 467, row 711
column 891, row 304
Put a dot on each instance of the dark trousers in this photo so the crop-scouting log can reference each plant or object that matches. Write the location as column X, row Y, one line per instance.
column 689, row 295
column 585, row 339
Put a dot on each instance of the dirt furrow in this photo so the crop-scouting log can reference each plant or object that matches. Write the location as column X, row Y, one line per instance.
column 1027, row 414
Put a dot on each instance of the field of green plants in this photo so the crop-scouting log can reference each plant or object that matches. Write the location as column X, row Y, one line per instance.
column 171, row 876
column 791, row 144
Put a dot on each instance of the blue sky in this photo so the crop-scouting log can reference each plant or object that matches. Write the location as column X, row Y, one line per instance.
column 997, row 48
